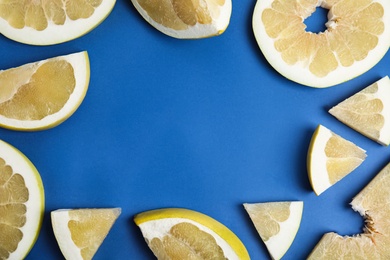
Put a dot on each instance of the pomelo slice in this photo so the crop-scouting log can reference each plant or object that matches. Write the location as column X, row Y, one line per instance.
column 356, row 38
column 43, row 94
column 80, row 232
column 373, row 204
column 277, row 224
column 176, row 233
column 21, row 203
column 368, row 111
column 52, row 21
column 330, row 158
column 186, row 19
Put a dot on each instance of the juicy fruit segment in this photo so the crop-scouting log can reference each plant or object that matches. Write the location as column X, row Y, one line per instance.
column 330, row 158
column 356, row 38
column 43, row 94
column 176, row 233
column 53, row 21
column 172, row 247
column 373, row 205
column 368, row 111
column 21, row 203
column 186, row 19
column 277, row 224
column 80, row 232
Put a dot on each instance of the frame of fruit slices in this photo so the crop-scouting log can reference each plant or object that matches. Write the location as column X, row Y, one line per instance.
column 205, row 124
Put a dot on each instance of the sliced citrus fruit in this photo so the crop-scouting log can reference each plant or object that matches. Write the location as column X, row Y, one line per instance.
column 330, row 158
column 43, row 94
column 374, row 206
column 80, row 232
column 356, row 38
column 176, row 233
column 368, row 111
column 186, row 19
column 21, row 203
column 277, row 224
column 52, row 21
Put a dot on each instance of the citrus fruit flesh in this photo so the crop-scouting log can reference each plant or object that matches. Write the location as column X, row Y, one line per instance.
column 368, row 111
column 186, row 19
column 330, row 158
column 356, row 38
column 53, row 21
column 43, row 94
column 80, row 232
column 176, row 233
column 373, row 243
column 21, row 203
column 277, row 224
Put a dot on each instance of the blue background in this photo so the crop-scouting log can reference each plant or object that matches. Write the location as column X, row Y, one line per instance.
column 201, row 124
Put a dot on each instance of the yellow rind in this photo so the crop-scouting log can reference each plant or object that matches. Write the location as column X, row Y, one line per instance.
column 225, row 233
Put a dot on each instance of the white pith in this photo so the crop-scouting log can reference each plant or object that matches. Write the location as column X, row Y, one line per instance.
column 54, row 34
column 319, row 174
column 35, row 204
column 299, row 72
column 279, row 244
column 80, row 64
column 69, row 249
column 217, row 26
column 161, row 227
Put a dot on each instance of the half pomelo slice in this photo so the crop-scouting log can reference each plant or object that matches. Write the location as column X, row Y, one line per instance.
column 356, row 38
column 373, row 204
column 80, row 232
column 176, row 233
column 277, row 224
column 21, row 203
column 330, row 158
column 186, row 19
column 51, row 22
column 43, row 94
column 368, row 111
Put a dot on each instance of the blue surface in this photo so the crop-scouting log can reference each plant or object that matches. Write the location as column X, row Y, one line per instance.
column 201, row 124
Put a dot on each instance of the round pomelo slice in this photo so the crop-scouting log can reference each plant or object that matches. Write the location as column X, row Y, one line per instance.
column 330, row 158
column 51, row 22
column 368, row 111
column 21, row 203
column 176, row 233
column 43, row 94
column 186, row 19
column 373, row 204
column 356, row 38
column 80, row 232
column 277, row 224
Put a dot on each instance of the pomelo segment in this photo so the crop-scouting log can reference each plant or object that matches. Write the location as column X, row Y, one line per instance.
column 330, row 158
column 356, row 38
column 43, row 94
column 186, row 19
column 277, row 224
column 80, row 232
column 373, row 204
column 368, row 111
column 53, row 21
column 177, row 233
column 22, row 203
